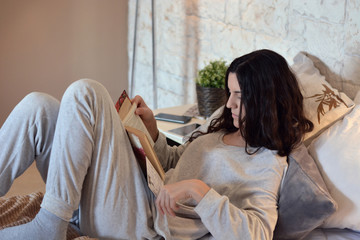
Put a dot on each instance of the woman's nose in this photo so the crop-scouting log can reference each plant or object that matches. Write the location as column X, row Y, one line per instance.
column 230, row 102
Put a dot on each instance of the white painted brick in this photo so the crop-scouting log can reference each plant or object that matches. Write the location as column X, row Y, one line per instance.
column 144, row 49
column 207, row 9
column 352, row 28
column 172, row 37
column 296, row 29
column 191, row 33
column 351, row 71
column 191, row 8
column 170, row 82
column 232, row 13
column 181, row 90
column 213, row 9
column 205, row 58
column 200, row 28
column 230, row 42
column 190, row 95
column 328, row 10
column 174, row 8
column 172, row 64
column 143, row 83
column 264, row 41
column 265, row 16
column 323, row 40
column 168, row 99
column 192, row 49
column 171, row 16
column 191, row 69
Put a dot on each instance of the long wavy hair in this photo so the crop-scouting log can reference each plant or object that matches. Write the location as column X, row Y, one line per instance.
column 272, row 101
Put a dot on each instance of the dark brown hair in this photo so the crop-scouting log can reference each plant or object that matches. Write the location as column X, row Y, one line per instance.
column 273, row 104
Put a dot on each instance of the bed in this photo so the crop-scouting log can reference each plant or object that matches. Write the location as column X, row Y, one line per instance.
column 320, row 193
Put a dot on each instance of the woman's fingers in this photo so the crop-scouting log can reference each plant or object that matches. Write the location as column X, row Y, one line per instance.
column 168, row 196
column 139, row 101
column 167, row 199
column 159, row 203
column 147, row 116
column 164, row 203
column 168, row 206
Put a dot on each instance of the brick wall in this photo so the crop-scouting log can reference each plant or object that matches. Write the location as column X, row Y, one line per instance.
column 189, row 33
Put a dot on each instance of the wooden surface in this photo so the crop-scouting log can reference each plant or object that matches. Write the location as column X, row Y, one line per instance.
column 164, row 127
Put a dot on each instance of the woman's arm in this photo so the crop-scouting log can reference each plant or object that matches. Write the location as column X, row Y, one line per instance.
column 256, row 219
column 168, row 156
column 172, row 193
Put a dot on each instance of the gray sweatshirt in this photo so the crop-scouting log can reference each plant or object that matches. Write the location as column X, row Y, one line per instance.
column 242, row 202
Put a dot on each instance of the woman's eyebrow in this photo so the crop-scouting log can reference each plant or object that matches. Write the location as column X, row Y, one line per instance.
column 235, row 91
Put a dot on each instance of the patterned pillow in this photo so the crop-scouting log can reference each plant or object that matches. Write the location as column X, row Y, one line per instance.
column 323, row 104
column 304, row 201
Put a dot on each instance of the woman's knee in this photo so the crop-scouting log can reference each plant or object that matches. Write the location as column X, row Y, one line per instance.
column 37, row 101
column 85, row 87
column 85, row 84
column 86, row 91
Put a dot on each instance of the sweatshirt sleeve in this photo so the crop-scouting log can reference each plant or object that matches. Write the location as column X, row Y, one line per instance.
column 256, row 221
column 168, row 155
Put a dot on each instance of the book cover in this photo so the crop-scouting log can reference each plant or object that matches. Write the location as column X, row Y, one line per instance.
column 141, row 142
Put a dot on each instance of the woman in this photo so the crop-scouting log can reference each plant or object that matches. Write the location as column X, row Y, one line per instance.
column 222, row 184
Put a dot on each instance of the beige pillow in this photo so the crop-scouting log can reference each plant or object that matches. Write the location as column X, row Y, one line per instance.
column 323, row 104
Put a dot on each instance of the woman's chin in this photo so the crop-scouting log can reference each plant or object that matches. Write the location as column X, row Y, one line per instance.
column 236, row 123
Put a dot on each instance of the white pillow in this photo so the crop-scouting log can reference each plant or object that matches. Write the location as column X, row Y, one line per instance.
column 337, row 154
column 323, row 112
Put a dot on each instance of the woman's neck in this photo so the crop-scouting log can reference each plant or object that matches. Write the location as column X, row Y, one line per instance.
column 234, row 139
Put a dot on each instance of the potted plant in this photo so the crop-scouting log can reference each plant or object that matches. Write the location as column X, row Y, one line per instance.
column 210, row 87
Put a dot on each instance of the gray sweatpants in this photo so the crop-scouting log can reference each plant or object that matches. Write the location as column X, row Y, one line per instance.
column 82, row 152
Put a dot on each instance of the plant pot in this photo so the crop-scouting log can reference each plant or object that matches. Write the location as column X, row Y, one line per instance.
column 209, row 99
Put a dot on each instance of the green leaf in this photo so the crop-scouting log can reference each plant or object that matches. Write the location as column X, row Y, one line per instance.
column 212, row 75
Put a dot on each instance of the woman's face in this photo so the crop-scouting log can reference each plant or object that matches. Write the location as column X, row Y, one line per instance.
column 234, row 102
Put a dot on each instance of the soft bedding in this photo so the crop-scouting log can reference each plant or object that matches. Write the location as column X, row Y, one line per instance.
column 333, row 234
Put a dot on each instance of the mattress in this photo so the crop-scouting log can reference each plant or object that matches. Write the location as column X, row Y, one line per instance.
column 333, row 234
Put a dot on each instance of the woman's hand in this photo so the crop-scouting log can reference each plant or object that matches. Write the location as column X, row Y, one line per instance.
column 147, row 116
column 172, row 193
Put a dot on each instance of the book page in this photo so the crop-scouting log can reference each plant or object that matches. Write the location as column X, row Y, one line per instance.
column 138, row 151
column 148, row 150
column 125, row 108
column 126, row 112
column 154, row 180
column 135, row 121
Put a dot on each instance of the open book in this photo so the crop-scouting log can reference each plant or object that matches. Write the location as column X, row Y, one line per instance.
column 141, row 142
